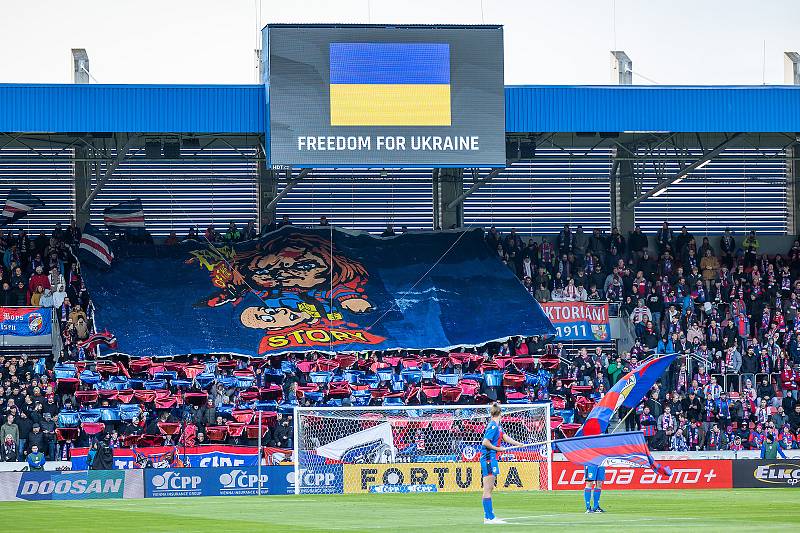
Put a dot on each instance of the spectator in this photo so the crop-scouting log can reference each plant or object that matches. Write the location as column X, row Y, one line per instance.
column 9, row 429
column 36, row 459
column 8, row 450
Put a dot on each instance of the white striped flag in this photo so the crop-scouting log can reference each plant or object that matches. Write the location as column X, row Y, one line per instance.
column 18, row 204
column 129, row 214
column 95, row 243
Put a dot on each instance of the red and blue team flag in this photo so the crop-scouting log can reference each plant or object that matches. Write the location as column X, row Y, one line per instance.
column 18, row 204
column 96, row 244
column 627, row 392
column 598, row 450
column 128, row 214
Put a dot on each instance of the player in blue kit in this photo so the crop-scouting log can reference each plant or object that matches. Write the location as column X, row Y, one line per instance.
column 493, row 437
column 594, row 475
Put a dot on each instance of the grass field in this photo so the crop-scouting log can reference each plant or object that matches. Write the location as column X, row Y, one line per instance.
column 712, row 510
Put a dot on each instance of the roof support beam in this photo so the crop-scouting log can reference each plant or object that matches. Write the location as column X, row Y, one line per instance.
column 112, row 166
column 475, row 186
column 685, row 171
column 286, row 190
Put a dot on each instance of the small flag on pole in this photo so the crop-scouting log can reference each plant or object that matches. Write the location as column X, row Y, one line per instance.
column 95, row 243
column 129, row 214
column 18, row 204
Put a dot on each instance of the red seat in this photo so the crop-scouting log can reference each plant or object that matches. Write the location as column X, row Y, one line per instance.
column 524, row 363
column 107, row 368
column 488, row 365
column 93, row 428
column 235, row 429
column 126, row 395
column 227, row 365
column 63, row 434
column 502, row 361
column 216, row 433
column 140, row 365
column 306, row 366
column 515, row 395
column 410, row 362
column 432, row 391
column 244, row 373
column 549, row 362
column 268, row 418
column 67, row 385
column 108, row 394
column 556, row 421
column 144, row 396
column 379, row 393
column 191, row 371
column 252, row 431
column 469, row 387
column 174, row 366
column 459, row 358
column 156, row 368
column 243, row 416
column 580, row 389
column 271, row 393
column 86, row 396
column 339, row 389
column 195, row 398
column 583, row 405
column 569, row 430
column 166, row 402
column 392, row 361
column 145, row 441
column 327, row 365
column 451, row 394
column 346, row 361
column 559, row 402
column 169, row 428
column 513, row 380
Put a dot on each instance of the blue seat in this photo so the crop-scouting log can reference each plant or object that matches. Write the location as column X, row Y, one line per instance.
column 181, row 383
column 361, row 398
column 353, row 376
column 229, row 382
column 90, row 415
column 205, row 380
column 109, row 414
column 397, row 384
column 90, row 377
column 288, row 409
column 567, row 414
column 320, row 377
column 127, row 411
column 68, row 419
column 287, row 367
column 65, row 370
column 155, row 384
column 372, row 380
column 244, row 382
column 264, row 406
column 166, row 375
column 225, row 409
column 314, row 397
column 474, row 377
column 493, row 378
column 136, row 383
column 334, row 402
column 427, row 371
column 520, row 400
column 275, row 375
column 447, row 379
column 385, row 374
column 393, row 401
column 412, row 376
column 113, row 383
column 211, row 366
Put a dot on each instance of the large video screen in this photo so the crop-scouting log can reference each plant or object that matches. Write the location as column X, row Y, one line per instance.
column 375, row 96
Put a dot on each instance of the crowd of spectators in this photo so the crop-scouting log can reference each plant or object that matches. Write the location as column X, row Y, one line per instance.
column 730, row 310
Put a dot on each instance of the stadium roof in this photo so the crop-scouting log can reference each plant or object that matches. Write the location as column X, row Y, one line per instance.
column 240, row 108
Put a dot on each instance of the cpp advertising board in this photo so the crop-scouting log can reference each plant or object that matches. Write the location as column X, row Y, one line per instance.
column 377, row 96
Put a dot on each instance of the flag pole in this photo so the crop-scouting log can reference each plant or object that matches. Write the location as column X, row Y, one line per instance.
column 259, row 452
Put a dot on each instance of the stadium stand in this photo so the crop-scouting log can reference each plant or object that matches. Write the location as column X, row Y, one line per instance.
column 731, row 311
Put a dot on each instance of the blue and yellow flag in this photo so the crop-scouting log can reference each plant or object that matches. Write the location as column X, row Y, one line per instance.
column 390, row 84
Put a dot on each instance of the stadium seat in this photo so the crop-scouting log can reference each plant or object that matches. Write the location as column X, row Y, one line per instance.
column 243, row 415
column 64, row 370
column 327, row 365
column 140, row 365
column 513, row 381
column 251, row 431
column 306, row 366
column 216, row 433
column 205, row 380
column 451, row 394
column 67, row 433
column 569, row 430
column 166, row 402
column 193, row 370
column 67, row 385
column 144, row 396
column 90, row 377
column 195, row 398
column 68, row 419
column 393, row 401
column 235, row 429
column 411, row 376
column 169, row 428
column 166, row 375
column 271, row 393
column 447, row 379
column 361, row 398
column 86, row 396
column 321, row 377
column 109, row 414
column 153, row 384
column 385, row 374
column 90, row 415
column 345, row 361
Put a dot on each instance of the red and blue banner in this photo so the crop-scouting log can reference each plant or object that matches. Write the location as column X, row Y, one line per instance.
column 576, row 321
column 627, row 392
column 26, row 321
column 212, row 455
column 321, row 289
column 598, row 450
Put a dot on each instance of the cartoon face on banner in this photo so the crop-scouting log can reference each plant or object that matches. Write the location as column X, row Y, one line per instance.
column 304, row 286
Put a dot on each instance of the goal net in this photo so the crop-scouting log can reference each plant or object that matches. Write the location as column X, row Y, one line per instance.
column 416, row 449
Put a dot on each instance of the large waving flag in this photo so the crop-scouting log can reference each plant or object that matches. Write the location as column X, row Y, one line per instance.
column 129, row 214
column 18, row 204
column 628, row 392
column 599, row 450
column 96, row 244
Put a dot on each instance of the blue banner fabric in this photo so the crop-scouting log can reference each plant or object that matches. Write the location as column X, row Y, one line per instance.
column 322, row 289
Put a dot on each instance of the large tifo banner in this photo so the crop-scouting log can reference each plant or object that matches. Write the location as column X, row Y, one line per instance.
column 25, row 321
column 316, row 289
column 578, row 321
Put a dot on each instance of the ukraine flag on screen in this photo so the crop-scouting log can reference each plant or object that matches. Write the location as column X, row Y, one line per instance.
column 390, row 84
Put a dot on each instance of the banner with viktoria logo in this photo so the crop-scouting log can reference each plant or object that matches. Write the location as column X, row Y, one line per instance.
column 576, row 321
column 766, row 473
column 25, row 321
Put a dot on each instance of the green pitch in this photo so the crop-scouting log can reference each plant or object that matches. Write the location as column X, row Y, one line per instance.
column 712, row 510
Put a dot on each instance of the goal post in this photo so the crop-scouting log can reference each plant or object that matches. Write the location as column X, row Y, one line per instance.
column 428, row 448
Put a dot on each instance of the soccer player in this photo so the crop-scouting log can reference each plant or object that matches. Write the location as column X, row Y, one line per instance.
column 492, row 438
column 595, row 475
